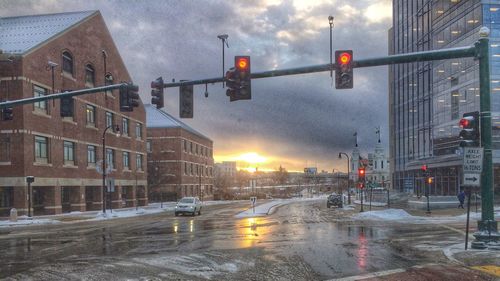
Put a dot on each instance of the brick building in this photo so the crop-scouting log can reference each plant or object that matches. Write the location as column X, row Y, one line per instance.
column 180, row 159
column 62, row 153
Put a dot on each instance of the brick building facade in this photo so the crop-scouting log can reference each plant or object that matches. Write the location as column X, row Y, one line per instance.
column 180, row 159
column 62, row 153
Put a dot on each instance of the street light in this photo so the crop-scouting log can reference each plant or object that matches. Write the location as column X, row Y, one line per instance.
column 348, row 165
column 222, row 37
column 117, row 131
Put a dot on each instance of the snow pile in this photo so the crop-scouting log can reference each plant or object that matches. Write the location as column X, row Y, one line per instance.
column 389, row 214
column 118, row 213
column 267, row 208
column 23, row 220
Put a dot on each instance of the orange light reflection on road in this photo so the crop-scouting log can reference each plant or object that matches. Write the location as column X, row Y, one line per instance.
column 362, row 249
column 248, row 232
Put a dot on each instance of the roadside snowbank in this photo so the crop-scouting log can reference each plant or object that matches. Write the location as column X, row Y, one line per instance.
column 266, row 208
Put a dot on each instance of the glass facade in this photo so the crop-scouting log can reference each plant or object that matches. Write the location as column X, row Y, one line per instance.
column 427, row 99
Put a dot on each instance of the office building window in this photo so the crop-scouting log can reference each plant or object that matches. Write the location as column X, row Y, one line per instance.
column 148, row 146
column 108, row 80
column 5, row 149
column 69, row 153
column 41, row 149
column 89, row 75
column 91, row 155
column 110, row 158
column 138, row 130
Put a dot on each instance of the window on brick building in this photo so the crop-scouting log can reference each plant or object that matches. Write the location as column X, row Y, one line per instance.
column 89, row 75
column 148, row 146
column 125, row 126
column 40, row 106
column 41, row 149
column 126, row 160
column 4, row 149
column 185, row 145
column 91, row 155
column 138, row 162
column 108, row 80
column 67, row 66
column 138, row 130
column 69, row 152
column 90, row 115
column 109, row 119
column 110, row 158
column 185, row 168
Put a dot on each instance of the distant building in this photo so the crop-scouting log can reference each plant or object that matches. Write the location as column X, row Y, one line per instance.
column 376, row 164
column 180, row 159
column 227, row 169
column 63, row 153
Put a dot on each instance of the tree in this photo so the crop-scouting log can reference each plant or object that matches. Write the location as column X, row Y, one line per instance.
column 280, row 177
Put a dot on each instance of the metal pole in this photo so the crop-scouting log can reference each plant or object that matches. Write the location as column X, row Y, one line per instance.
column 468, row 215
column 104, row 171
column 29, row 199
column 428, row 187
column 330, row 20
column 371, row 192
column 361, row 192
column 487, row 222
column 223, row 75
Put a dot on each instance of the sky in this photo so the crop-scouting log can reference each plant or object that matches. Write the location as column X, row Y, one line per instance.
column 292, row 121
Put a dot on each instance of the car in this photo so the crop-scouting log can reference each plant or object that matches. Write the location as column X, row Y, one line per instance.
column 188, row 205
column 334, row 200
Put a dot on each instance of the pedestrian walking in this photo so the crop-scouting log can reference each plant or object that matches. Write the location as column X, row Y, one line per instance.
column 461, row 199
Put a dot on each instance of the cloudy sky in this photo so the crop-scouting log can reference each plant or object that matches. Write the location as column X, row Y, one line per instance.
column 293, row 121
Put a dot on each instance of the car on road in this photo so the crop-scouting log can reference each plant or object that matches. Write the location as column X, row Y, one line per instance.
column 188, row 205
column 334, row 200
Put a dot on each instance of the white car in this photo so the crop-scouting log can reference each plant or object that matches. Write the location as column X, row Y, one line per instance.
column 188, row 205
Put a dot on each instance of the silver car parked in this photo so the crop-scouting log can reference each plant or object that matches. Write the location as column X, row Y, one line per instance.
column 188, row 205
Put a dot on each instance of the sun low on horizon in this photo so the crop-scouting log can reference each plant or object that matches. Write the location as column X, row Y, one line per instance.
column 249, row 161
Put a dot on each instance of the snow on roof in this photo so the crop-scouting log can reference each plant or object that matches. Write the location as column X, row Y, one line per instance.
column 20, row 34
column 157, row 118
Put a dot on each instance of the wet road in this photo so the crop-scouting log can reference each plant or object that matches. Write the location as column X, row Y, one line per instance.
column 300, row 241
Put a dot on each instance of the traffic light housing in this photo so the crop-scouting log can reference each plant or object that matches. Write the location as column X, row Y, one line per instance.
column 157, row 93
column 129, row 97
column 470, row 134
column 343, row 69
column 67, row 106
column 7, row 113
column 430, row 180
column 238, row 79
column 186, row 101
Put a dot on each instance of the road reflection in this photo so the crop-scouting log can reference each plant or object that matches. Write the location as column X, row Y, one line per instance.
column 248, row 232
column 362, row 249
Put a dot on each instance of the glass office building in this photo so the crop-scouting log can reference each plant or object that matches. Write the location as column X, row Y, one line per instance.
column 427, row 99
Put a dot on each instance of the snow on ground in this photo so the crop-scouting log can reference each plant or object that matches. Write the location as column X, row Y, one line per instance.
column 367, row 203
column 23, row 220
column 267, row 208
column 403, row 216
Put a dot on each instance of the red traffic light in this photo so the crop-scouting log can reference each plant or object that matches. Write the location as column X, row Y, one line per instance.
column 424, row 168
column 361, row 171
column 243, row 63
column 464, row 123
column 344, row 58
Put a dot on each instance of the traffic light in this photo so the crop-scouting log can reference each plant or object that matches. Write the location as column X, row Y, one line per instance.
column 157, row 93
column 361, row 174
column 430, row 180
column 470, row 134
column 343, row 69
column 238, row 79
column 129, row 97
column 8, row 113
column 186, row 102
column 67, row 107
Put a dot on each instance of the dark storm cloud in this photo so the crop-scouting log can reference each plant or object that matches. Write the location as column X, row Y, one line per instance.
column 298, row 118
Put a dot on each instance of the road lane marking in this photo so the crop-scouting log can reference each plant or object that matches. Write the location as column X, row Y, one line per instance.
column 370, row 275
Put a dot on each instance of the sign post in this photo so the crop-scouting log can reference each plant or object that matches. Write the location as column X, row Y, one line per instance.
column 253, row 199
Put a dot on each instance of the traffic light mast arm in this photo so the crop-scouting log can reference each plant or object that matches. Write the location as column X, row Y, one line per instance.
column 461, row 52
column 62, row 95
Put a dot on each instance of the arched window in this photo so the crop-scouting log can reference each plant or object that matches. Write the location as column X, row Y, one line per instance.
column 67, row 59
column 89, row 75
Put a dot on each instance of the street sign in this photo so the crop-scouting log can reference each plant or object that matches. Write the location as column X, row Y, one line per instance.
column 253, row 199
column 471, row 179
column 473, row 160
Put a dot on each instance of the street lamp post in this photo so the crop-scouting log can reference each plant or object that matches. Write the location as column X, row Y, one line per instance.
column 348, row 177
column 117, row 130
column 223, row 37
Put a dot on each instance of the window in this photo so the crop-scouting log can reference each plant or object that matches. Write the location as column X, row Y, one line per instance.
column 91, row 115
column 191, row 169
column 197, row 150
column 5, row 149
column 69, row 153
column 126, row 162
column 67, row 63
column 89, row 75
column 138, row 130
column 455, row 100
column 41, row 106
column 108, row 80
column 185, row 145
column 191, row 144
column 138, row 162
column 125, row 126
column 41, row 149
column 91, row 151
column 109, row 119
column 185, row 168
column 110, row 158
column 148, row 146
